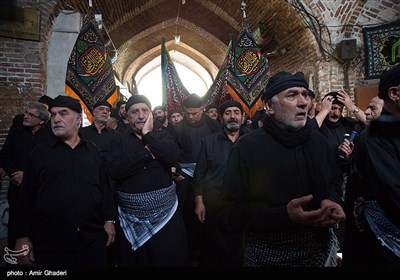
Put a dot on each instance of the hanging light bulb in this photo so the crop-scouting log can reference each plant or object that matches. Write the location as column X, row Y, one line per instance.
column 177, row 38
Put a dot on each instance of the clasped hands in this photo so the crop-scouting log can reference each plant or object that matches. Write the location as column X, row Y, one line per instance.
column 328, row 215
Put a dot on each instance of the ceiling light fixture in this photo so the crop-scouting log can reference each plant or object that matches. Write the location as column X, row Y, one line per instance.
column 177, row 36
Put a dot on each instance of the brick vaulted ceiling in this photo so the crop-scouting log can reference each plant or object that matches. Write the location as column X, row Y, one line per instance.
column 136, row 28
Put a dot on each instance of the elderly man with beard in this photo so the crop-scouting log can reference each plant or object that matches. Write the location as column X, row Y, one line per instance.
column 66, row 212
column 98, row 132
column 219, row 250
column 281, row 185
column 153, row 233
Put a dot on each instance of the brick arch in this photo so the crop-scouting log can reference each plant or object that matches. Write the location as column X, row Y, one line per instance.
column 135, row 35
column 186, row 29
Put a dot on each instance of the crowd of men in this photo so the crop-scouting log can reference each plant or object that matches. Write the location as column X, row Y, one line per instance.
column 195, row 186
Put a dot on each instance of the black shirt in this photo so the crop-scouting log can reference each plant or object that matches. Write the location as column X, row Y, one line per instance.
column 189, row 137
column 19, row 142
column 134, row 168
column 102, row 140
column 66, row 191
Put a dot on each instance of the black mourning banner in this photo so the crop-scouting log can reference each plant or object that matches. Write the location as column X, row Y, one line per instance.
column 382, row 49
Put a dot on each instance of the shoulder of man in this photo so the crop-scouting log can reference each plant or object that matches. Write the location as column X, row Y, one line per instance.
column 48, row 144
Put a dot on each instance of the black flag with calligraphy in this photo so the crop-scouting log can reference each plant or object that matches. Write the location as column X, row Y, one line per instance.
column 90, row 76
column 243, row 74
column 173, row 90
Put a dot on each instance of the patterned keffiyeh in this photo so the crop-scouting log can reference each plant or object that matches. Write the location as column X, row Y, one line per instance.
column 142, row 215
column 310, row 247
column 384, row 230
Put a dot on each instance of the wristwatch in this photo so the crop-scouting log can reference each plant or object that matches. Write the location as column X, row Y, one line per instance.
column 356, row 110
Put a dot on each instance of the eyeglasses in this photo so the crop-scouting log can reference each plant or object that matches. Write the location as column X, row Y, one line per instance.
column 30, row 115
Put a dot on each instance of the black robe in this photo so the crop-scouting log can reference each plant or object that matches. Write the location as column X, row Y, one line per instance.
column 375, row 175
column 266, row 171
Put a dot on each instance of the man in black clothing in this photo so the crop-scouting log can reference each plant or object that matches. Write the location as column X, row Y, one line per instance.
column 103, row 137
column 212, row 111
column 123, row 122
column 281, row 185
column 21, row 139
column 140, row 162
column 98, row 132
column 161, row 121
column 335, row 127
column 175, row 116
column 220, row 249
column 66, row 212
column 373, row 197
column 195, row 126
column 18, row 119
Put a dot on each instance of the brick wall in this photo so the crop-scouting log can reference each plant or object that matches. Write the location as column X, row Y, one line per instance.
column 23, row 65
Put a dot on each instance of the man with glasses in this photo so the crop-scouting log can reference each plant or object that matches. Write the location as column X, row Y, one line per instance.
column 19, row 142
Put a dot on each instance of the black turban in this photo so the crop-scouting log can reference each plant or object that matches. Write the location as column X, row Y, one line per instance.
column 67, row 101
column 176, row 110
column 212, row 105
column 227, row 104
column 134, row 99
column 45, row 99
column 120, row 103
column 193, row 101
column 159, row 107
column 311, row 94
column 390, row 78
column 102, row 103
column 281, row 81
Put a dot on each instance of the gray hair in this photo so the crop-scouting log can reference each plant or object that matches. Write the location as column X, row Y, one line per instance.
column 44, row 114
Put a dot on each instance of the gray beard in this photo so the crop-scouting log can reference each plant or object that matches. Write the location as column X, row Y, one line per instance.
column 231, row 127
